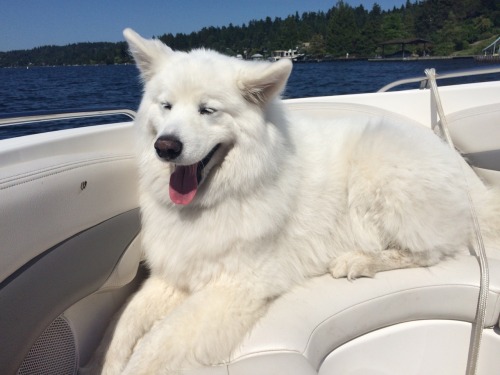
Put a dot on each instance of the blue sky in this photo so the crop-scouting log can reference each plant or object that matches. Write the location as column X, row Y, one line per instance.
column 25, row 24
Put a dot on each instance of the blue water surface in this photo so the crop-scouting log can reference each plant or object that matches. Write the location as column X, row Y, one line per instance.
column 118, row 86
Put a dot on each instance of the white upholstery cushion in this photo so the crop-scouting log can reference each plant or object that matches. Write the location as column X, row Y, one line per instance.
column 306, row 325
column 42, row 199
column 476, row 133
column 476, row 129
column 325, row 313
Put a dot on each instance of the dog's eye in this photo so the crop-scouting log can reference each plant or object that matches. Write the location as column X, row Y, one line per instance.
column 207, row 111
column 166, row 106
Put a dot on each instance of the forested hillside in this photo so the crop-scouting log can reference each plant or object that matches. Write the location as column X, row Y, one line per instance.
column 453, row 27
column 72, row 54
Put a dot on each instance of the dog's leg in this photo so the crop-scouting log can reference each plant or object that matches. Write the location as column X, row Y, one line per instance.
column 204, row 330
column 151, row 303
column 354, row 264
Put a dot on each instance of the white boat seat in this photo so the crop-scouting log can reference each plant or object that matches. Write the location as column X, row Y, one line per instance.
column 303, row 328
column 476, row 133
column 326, row 110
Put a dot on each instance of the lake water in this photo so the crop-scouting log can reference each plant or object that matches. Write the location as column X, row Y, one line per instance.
column 84, row 87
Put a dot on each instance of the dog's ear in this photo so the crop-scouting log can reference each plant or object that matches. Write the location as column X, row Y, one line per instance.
column 147, row 53
column 264, row 81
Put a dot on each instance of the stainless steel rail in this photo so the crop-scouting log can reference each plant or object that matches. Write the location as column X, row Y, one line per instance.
column 32, row 118
column 424, row 82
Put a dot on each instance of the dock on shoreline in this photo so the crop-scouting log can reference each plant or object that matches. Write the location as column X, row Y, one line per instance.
column 420, row 58
column 487, row 58
column 390, row 59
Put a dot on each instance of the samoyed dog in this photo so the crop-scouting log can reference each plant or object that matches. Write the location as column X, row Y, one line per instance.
column 241, row 201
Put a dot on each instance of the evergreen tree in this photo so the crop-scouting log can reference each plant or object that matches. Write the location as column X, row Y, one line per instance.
column 343, row 34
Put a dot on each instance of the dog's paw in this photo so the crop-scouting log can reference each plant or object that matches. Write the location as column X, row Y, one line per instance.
column 353, row 265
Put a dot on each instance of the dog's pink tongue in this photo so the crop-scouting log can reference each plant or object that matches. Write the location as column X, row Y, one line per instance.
column 183, row 184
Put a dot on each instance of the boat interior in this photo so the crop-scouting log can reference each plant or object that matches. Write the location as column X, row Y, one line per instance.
column 70, row 256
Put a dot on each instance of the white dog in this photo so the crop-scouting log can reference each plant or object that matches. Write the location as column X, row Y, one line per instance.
column 240, row 203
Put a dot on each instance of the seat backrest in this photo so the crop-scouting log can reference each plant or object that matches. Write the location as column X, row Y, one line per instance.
column 476, row 133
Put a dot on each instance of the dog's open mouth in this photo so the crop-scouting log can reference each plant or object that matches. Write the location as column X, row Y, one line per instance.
column 185, row 179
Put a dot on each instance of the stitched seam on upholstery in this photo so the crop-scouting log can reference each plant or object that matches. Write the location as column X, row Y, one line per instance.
column 46, row 169
column 57, row 170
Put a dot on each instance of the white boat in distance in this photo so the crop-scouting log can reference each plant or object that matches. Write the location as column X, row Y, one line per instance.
column 70, row 256
column 290, row 54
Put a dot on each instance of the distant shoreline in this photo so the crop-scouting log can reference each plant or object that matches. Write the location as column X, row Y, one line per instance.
column 477, row 58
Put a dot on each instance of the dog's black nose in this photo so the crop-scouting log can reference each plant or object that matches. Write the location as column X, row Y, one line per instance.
column 168, row 147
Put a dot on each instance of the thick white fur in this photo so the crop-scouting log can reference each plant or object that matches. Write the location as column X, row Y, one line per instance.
column 282, row 200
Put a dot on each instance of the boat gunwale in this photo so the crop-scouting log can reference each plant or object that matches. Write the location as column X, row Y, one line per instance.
column 424, row 82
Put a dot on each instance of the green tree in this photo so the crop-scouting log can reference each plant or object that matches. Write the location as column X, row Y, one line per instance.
column 343, row 34
column 317, row 46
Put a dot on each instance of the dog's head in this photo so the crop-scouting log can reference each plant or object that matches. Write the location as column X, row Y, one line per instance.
column 205, row 120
